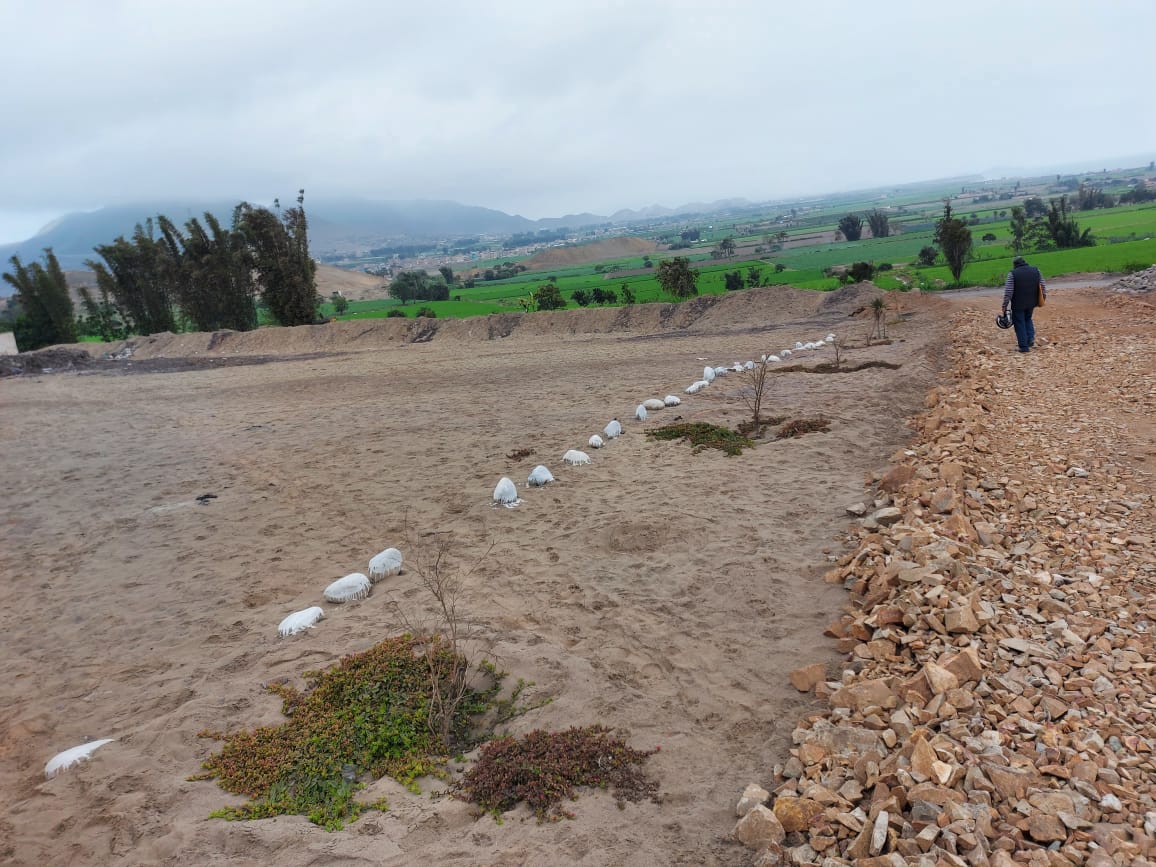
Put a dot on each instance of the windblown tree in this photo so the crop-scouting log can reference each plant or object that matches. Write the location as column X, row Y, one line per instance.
column 851, row 225
column 953, row 237
column 677, row 278
column 879, row 222
column 136, row 274
column 102, row 318
column 46, row 315
column 279, row 245
column 210, row 272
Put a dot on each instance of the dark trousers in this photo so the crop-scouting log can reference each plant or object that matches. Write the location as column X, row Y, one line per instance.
column 1025, row 330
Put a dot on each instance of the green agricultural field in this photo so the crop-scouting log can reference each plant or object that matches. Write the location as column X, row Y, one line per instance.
column 443, row 309
column 1103, row 257
column 1133, row 227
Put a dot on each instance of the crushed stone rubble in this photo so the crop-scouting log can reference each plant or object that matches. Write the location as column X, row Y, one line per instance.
column 1140, row 281
column 998, row 703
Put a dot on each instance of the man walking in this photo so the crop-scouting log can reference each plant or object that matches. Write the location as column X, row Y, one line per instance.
column 1024, row 290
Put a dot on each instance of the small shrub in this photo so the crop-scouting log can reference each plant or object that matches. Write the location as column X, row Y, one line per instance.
column 426, row 313
column 801, row 426
column 1133, row 267
column 885, row 266
column 702, row 435
column 543, row 769
column 395, row 314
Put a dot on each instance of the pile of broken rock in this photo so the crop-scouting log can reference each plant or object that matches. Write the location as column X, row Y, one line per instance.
column 998, row 705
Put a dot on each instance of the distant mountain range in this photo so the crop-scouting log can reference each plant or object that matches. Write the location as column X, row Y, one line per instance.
column 335, row 225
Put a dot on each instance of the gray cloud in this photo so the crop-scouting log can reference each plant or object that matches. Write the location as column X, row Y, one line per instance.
column 545, row 108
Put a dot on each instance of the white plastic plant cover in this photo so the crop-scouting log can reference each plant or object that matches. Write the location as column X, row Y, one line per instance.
column 299, row 621
column 352, row 588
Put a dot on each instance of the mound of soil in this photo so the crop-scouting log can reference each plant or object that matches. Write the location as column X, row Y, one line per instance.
column 750, row 311
column 593, row 252
column 851, row 299
column 354, row 285
column 44, row 361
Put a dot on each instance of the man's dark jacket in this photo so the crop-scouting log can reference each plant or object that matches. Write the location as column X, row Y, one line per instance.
column 1026, row 292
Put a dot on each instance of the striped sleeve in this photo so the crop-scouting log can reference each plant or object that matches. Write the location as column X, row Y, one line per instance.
column 1008, row 286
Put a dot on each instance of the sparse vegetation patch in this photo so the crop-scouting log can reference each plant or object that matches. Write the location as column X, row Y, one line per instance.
column 543, row 769
column 703, row 435
column 801, row 426
column 369, row 714
column 833, row 367
column 747, row 426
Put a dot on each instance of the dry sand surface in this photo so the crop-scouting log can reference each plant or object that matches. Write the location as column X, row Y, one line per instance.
column 658, row 591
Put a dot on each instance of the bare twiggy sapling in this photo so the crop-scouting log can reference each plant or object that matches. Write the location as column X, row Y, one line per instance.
column 755, row 383
column 446, row 628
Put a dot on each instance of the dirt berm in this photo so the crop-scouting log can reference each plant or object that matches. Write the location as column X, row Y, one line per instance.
column 751, row 310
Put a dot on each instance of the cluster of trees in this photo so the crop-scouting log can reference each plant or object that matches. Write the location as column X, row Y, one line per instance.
column 880, row 223
column 597, row 295
column 504, row 271
column 734, row 280
column 205, row 276
column 851, row 225
column 1089, row 198
column 1047, row 227
column 547, row 297
column 542, row 236
column 686, row 238
column 725, row 249
column 45, row 308
column 419, row 286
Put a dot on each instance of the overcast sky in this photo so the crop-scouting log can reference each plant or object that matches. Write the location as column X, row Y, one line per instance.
column 545, row 107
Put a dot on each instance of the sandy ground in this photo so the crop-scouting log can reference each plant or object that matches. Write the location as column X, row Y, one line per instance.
column 655, row 590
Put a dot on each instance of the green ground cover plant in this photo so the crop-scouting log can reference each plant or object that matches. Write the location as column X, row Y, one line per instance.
column 702, row 435
column 369, row 714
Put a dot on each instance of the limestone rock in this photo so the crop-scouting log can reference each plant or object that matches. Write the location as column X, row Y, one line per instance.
column 960, row 620
column 753, row 795
column 939, row 678
column 1045, row 829
column 759, row 828
column 804, row 679
column 886, row 516
column 796, row 814
column 866, row 693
